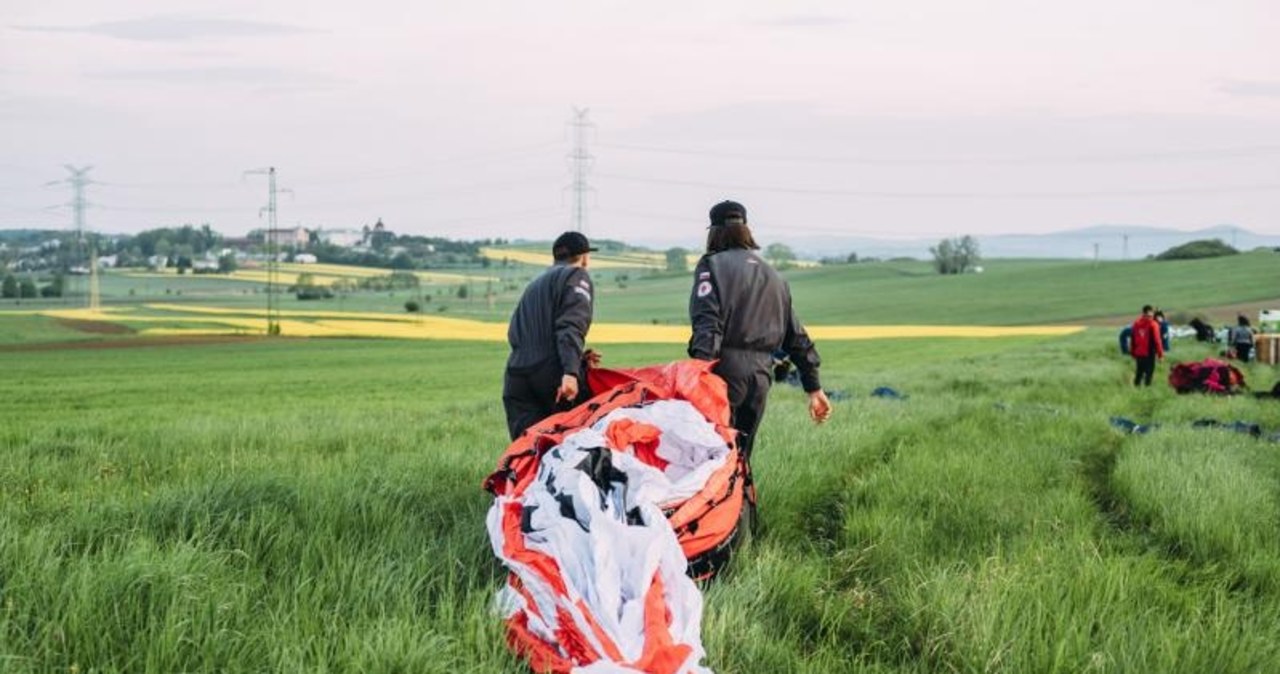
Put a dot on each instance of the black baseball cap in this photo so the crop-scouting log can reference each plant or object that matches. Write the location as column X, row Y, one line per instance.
column 570, row 244
column 728, row 213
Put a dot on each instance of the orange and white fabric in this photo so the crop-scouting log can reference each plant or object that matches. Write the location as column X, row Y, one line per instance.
column 598, row 580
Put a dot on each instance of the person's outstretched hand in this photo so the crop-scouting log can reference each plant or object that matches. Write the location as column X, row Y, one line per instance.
column 568, row 390
column 819, row 406
column 591, row 357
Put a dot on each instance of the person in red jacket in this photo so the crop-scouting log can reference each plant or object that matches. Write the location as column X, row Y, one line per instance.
column 1145, row 346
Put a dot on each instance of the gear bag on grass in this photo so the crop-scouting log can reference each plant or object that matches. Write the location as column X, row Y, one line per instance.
column 1207, row 376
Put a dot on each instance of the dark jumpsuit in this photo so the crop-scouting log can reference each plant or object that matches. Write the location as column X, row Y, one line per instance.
column 547, row 331
column 741, row 314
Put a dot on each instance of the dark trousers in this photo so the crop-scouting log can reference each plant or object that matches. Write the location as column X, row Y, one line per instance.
column 1243, row 351
column 1145, row 368
column 748, row 375
column 529, row 394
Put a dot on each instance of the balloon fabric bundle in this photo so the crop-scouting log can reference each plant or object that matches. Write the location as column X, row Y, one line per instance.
column 605, row 514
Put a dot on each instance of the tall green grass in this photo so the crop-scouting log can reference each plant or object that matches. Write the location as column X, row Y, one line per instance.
column 315, row 506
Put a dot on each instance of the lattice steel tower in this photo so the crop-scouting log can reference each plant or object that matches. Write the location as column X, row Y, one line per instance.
column 272, row 244
column 581, row 161
column 78, row 180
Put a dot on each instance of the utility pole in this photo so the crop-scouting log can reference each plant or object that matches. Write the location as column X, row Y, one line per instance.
column 1095, row 254
column 581, row 160
column 272, row 242
column 78, row 180
column 1124, row 255
column 94, row 289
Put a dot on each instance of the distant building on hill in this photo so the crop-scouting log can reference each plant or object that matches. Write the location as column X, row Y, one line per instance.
column 291, row 237
column 377, row 236
column 343, row 238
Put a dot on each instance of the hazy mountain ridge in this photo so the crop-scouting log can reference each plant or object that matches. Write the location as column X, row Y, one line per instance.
column 1076, row 243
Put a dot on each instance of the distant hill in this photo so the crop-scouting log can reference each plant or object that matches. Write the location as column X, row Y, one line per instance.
column 1070, row 244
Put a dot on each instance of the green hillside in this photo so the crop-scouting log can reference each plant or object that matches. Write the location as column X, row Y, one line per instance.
column 1008, row 292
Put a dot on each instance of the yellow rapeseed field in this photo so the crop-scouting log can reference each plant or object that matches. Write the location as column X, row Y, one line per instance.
column 598, row 261
column 217, row 320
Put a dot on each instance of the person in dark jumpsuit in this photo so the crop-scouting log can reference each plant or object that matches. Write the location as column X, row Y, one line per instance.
column 547, row 334
column 741, row 314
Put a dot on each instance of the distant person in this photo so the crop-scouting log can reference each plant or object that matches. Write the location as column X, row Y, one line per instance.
column 1126, row 334
column 1241, row 338
column 1145, row 347
column 741, row 314
column 1164, row 329
column 547, row 333
column 1204, row 331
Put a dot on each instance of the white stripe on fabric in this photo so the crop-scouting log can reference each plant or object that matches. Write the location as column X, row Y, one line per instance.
column 605, row 561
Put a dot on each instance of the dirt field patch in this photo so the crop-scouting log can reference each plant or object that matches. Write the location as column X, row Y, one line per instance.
column 95, row 327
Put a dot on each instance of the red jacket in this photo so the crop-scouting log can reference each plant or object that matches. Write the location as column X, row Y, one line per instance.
column 1145, row 337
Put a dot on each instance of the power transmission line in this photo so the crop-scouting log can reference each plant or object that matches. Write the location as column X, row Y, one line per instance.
column 1179, row 191
column 1204, row 154
column 418, row 169
column 470, row 188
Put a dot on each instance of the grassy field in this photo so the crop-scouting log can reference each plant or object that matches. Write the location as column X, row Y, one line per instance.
column 1008, row 292
column 32, row 329
column 315, row 506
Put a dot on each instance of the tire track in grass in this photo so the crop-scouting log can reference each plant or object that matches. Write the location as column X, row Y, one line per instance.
column 1096, row 469
column 1209, row 501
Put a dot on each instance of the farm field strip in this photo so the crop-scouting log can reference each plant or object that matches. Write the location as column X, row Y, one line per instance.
column 598, row 260
column 421, row 326
column 322, row 274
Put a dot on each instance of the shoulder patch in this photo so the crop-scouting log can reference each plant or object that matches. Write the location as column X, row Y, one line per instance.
column 583, row 292
column 702, row 276
column 704, row 289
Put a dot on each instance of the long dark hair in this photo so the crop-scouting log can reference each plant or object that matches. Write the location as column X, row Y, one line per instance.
column 725, row 237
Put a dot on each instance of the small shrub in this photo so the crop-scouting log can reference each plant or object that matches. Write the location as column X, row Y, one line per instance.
column 412, row 307
column 1195, row 250
column 314, row 293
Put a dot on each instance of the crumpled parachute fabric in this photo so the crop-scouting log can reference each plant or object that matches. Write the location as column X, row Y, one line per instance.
column 597, row 512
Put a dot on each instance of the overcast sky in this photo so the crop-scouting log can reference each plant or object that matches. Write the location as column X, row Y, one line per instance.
column 924, row 118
